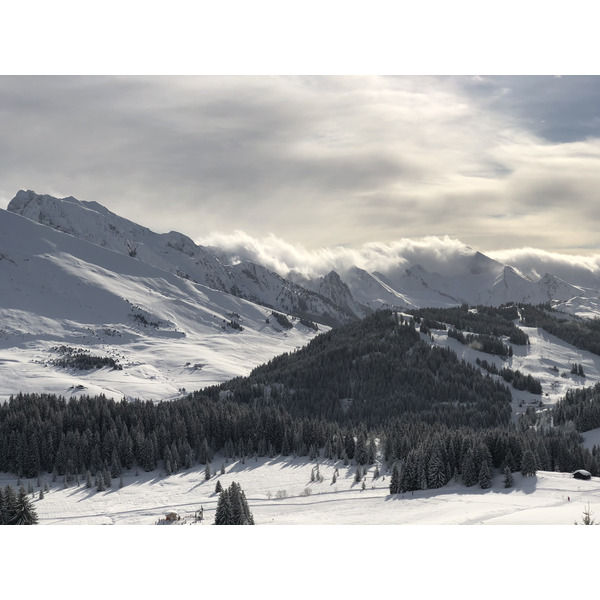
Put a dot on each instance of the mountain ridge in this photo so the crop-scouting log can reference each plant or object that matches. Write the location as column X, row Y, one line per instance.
column 467, row 277
column 177, row 253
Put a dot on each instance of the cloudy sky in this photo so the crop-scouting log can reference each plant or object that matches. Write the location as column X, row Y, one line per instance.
column 315, row 162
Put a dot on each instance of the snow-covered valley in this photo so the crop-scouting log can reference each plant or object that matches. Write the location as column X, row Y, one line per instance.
column 280, row 492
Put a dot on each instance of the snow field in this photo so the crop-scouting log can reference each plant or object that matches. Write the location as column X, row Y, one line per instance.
column 355, row 562
column 280, row 492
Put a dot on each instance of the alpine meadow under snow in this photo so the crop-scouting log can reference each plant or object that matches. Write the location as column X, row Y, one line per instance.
column 93, row 304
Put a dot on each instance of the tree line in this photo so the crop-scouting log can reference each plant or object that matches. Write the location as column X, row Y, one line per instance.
column 485, row 320
column 518, row 380
column 482, row 342
column 431, row 457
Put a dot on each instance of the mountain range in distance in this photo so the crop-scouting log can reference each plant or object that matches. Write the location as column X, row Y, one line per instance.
column 334, row 298
column 171, row 315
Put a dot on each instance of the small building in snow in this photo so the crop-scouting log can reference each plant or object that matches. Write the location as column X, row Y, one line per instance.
column 582, row 474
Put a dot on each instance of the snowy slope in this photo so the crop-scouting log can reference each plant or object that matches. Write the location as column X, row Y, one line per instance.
column 176, row 253
column 166, row 332
column 546, row 358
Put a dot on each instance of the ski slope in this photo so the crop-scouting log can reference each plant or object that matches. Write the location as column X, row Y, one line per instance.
column 546, row 358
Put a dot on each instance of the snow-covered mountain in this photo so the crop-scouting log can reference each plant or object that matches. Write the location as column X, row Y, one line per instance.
column 178, row 254
column 468, row 276
column 77, row 278
column 333, row 288
column 475, row 279
column 62, row 298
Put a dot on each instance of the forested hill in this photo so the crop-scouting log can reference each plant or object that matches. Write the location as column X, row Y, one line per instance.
column 366, row 381
column 372, row 370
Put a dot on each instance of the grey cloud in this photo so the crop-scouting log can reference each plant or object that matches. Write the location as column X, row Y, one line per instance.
column 320, row 161
column 558, row 109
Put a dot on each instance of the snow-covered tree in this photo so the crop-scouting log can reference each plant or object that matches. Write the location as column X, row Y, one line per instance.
column 24, row 513
column 485, row 476
column 232, row 507
column 508, row 477
column 395, row 481
column 528, row 464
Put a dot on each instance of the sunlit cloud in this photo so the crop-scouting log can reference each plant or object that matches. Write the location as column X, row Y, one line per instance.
column 433, row 253
column 334, row 163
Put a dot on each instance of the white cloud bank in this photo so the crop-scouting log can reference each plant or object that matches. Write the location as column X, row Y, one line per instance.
column 436, row 254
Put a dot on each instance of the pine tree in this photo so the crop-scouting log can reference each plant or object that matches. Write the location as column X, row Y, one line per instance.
column 207, row 472
column 218, row 487
column 361, row 452
column 147, row 457
column 175, row 460
column 408, row 473
column 508, row 477
column 286, row 449
column 528, row 464
column 485, row 476
column 328, row 452
column 372, row 452
column 168, row 460
column 24, row 513
column 349, row 446
column 223, row 514
column 232, row 507
column 469, row 475
column 436, row 473
column 510, row 462
column 107, row 478
column 10, row 504
column 115, row 467
column 99, row 482
column 358, row 475
column 395, row 487
column 237, row 510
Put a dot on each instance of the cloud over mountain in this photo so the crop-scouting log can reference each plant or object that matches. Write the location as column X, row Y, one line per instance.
column 436, row 254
